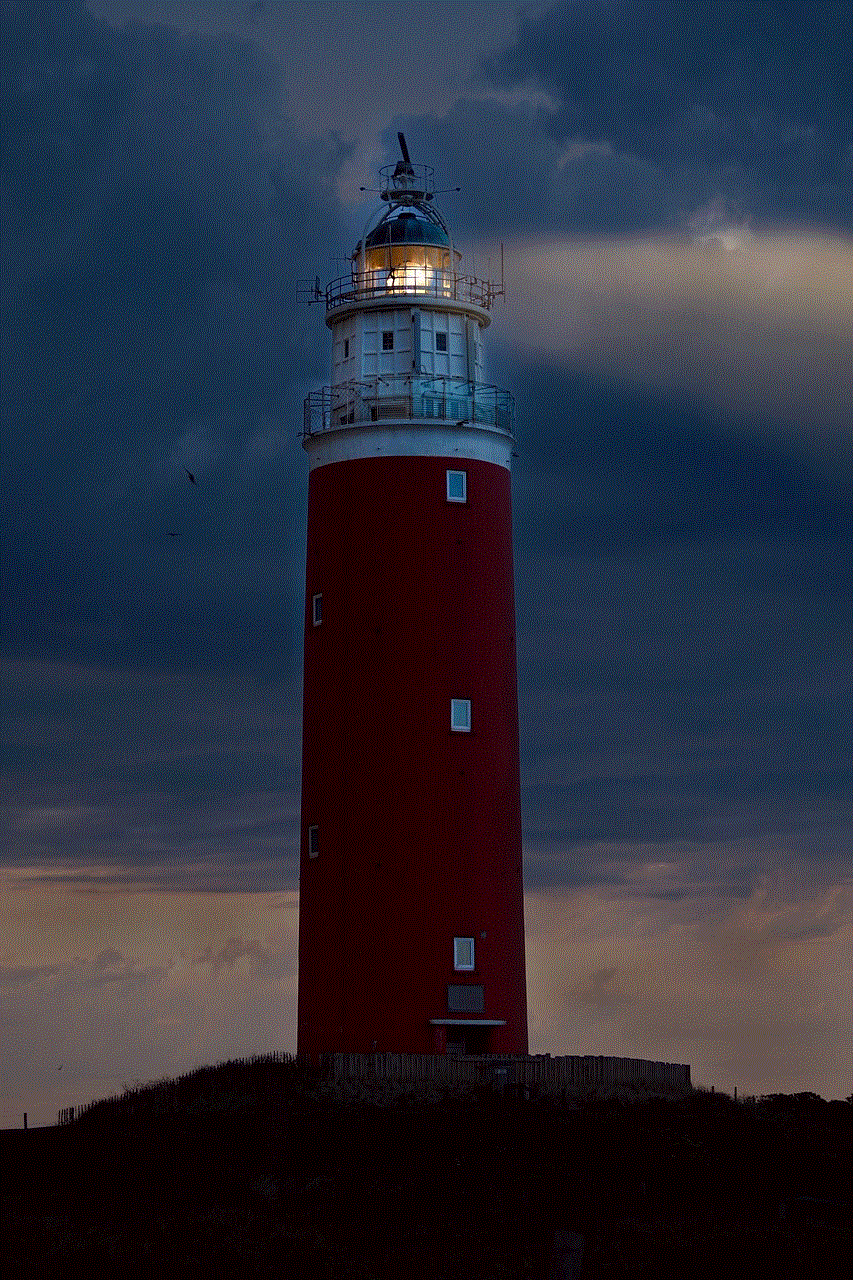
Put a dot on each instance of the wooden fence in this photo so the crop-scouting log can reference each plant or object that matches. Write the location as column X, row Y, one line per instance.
column 541, row 1073
column 536, row 1074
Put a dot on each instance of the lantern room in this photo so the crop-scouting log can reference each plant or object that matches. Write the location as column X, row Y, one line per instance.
column 408, row 253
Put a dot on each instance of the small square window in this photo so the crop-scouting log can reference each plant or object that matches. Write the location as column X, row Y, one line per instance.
column 463, row 953
column 465, row 999
column 313, row 842
column 317, row 609
column 346, row 348
column 457, row 486
column 441, row 342
column 460, row 715
column 387, row 339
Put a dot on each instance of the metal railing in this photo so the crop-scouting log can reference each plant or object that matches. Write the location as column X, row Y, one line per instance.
column 408, row 396
column 411, row 280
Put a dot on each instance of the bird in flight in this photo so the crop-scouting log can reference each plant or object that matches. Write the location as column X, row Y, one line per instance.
column 173, row 535
column 191, row 476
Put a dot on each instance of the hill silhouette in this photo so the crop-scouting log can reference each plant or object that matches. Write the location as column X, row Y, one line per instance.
column 266, row 1169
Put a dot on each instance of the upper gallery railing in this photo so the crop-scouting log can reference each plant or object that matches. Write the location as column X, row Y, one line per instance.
column 360, row 286
column 407, row 396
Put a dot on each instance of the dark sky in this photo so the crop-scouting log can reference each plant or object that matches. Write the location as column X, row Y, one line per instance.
column 672, row 185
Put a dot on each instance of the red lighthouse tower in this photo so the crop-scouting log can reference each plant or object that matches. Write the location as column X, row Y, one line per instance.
column 411, row 918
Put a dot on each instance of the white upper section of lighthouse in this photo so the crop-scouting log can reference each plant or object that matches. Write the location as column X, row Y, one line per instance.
column 406, row 338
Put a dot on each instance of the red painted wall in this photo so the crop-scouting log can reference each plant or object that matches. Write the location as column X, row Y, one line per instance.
column 419, row 827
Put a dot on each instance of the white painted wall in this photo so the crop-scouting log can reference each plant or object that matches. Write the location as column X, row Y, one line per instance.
column 359, row 354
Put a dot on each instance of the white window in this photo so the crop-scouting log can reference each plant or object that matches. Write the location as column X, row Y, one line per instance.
column 387, row 339
column 457, row 486
column 313, row 842
column 441, row 342
column 317, row 609
column 346, row 348
column 460, row 715
column 463, row 953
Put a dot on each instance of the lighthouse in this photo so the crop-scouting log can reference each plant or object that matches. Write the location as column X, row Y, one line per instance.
column 411, row 916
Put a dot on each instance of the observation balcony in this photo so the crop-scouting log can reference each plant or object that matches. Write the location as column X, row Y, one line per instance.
column 415, row 281
column 408, row 396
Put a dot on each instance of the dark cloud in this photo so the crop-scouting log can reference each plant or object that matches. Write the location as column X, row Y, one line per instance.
column 109, row 967
column 234, row 949
column 155, row 211
column 112, row 969
column 618, row 118
column 156, row 204
column 516, row 176
column 157, row 777
column 598, row 990
column 684, row 651
column 20, row 975
column 726, row 99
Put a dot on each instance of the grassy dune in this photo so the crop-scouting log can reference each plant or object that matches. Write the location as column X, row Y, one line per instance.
column 257, row 1170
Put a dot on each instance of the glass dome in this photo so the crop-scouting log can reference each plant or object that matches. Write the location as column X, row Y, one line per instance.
column 407, row 228
column 408, row 252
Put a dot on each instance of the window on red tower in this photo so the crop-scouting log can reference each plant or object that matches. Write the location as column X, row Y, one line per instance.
column 313, row 842
column 457, row 486
column 317, row 608
column 460, row 715
column 463, row 953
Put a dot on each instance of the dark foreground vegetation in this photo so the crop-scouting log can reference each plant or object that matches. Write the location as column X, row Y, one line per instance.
column 259, row 1171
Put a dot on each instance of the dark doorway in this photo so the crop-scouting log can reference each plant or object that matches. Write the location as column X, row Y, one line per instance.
column 472, row 1041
